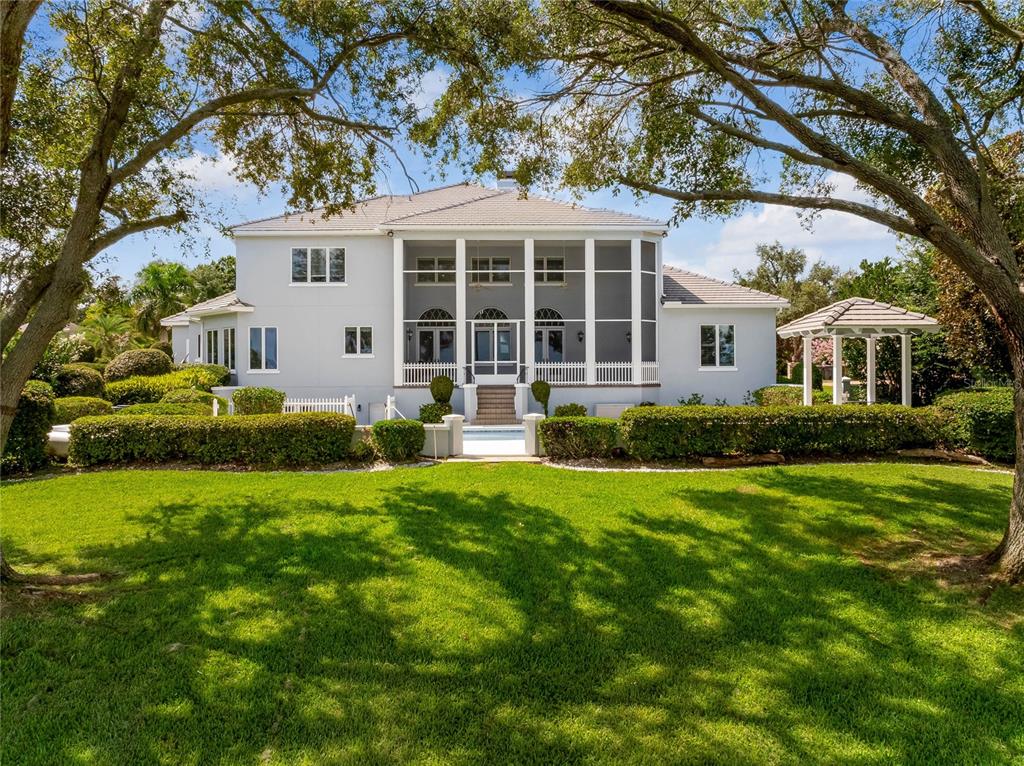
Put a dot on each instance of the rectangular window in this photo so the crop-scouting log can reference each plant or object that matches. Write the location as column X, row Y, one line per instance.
column 262, row 348
column 212, row 347
column 318, row 265
column 229, row 348
column 358, row 341
column 491, row 271
column 549, row 269
column 717, row 345
column 431, row 271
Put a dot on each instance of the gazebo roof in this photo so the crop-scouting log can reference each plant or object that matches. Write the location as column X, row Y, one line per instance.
column 860, row 317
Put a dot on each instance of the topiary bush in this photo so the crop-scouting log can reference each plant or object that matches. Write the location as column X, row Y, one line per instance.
column 148, row 389
column 97, row 366
column 675, row 433
column 26, row 441
column 398, row 440
column 299, row 439
column 576, row 437
column 432, row 412
column 164, row 408
column 77, row 380
column 798, row 375
column 192, row 396
column 68, row 409
column 541, row 391
column 139, row 361
column 258, row 400
column 164, row 347
column 788, row 396
column 441, row 388
column 571, row 410
column 980, row 421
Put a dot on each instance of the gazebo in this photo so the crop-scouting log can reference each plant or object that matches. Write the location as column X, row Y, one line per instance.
column 858, row 318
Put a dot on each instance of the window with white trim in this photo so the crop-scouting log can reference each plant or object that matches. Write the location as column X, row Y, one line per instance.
column 717, row 345
column 262, row 349
column 229, row 348
column 211, row 347
column 358, row 341
column 549, row 268
column 435, row 271
column 318, row 265
column 490, row 271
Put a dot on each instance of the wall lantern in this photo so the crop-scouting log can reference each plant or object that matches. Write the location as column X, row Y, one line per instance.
column 629, row 336
column 408, row 333
column 579, row 336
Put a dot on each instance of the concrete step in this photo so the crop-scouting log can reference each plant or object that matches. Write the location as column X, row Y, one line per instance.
column 489, row 420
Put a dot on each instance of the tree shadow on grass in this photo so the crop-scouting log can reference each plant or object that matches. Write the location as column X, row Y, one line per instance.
column 470, row 626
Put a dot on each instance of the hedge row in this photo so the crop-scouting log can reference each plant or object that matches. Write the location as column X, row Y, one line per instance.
column 151, row 388
column 788, row 396
column 192, row 396
column 165, row 408
column 980, row 421
column 309, row 438
column 258, row 400
column 573, row 437
column 675, row 433
column 398, row 440
column 71, row 408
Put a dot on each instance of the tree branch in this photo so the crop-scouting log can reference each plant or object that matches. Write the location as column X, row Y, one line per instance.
column 109, row 237
column 992, row 21
column 15, row 16
column 24, row 298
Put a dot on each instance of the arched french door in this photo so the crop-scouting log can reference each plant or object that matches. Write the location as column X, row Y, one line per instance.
column 548, row 336
column 435, row 337
column 495, row 347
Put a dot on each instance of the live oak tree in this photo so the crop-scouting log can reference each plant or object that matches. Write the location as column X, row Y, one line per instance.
column 100, row 101
column 718, row 104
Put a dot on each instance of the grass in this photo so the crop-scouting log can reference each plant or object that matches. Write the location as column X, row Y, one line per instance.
column 511, row 614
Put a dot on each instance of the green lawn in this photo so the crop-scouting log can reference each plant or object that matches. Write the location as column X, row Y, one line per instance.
column 511, row 614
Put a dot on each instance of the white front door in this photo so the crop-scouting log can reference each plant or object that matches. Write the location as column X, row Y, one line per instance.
column 495, row 360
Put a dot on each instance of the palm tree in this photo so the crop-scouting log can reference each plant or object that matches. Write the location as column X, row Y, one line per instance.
column 109, row 333
column 161, row 289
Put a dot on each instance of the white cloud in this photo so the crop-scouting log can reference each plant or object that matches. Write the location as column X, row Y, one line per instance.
column 212, row 172
column 431, row 86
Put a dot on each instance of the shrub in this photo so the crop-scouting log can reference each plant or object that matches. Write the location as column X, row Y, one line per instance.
column 71, row 408
column 308, row 438
column 578, row 437
column 788, row 396
column 398, row 440
column 980, row 421
column 541, row 391
column 163, row 408
column 693, row 400
column 77, row 380
column 148, row 389
column 798, row 375
column 218, row 372
column 29, row 433
column 139, row 361
column 672, row 433
column 164, row 347
column 571, row 410
column 192, row 396
column 362, row 452
column 441, row 388
column 97, row 366
column 258, row 400
column 432, row 412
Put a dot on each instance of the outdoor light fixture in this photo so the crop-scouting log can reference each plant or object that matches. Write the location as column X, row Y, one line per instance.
column 579, row 336
column 408, row 333
column 629, row 336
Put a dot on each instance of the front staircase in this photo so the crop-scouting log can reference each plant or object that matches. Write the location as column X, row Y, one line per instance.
column 495, row 406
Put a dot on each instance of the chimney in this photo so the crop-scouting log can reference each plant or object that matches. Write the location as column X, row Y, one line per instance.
column 506, row 181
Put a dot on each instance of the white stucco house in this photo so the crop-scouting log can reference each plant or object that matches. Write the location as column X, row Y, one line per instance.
column 487, row 287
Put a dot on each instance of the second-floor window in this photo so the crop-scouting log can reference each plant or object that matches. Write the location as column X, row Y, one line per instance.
column 262, row 349
column 318, row 265
column 490, row 271
column 717, row 345
column 432, row 271
column 549, row 269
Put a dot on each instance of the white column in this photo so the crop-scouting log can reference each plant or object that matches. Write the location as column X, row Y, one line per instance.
column 837, row 369
column 636, row 311
column 528, row 308
column 808, row 371
column 905, row 369
column 872, row 372
column 460, row 311
column 590, row 311
column 399, row 285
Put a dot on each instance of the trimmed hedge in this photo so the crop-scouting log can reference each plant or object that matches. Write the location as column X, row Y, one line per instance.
column 139, row 361
column 441, row 388
column 674, row 433
column 258, row 400
column 788, row 396
column 432, row 412
column 307, row 438
column 571, row 410
column 817, row 380
column 980, row 421
column 70, row 408
column 77, row 380
column 148, row 389
column 218, row 372
column 29, row 433
column 163, row 408
column 541, row 391
column 398, row 440
column 191, row 396
column 579, row 437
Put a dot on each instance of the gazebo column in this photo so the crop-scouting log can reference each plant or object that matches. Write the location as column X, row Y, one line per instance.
column 808, row 371
column 837, row 369
column 872, row 372
column 905, row 369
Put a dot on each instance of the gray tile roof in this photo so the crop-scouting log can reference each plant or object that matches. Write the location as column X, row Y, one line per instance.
column 690, row 289
column 859, row 316
column 452, row 206
column 222, row 304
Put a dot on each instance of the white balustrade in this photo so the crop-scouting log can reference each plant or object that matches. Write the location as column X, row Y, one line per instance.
column 561, row 373
column 345, row 405
column 614, row 373
column 649, row 373
column 421, row 373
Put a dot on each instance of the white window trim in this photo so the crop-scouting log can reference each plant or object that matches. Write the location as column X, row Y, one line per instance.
column 263, row 349
column 358, row 328
column 718, row 348
column 436, row 270
column 327, row 282
column 490, row 271
column 227, row 356
column 545, row 269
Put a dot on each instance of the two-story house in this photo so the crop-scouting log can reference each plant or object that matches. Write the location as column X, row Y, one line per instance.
column 487, row 287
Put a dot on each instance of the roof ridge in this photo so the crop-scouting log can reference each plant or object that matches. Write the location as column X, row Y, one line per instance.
column 460, row 203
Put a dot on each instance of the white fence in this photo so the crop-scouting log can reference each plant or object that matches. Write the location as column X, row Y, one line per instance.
column 561, row 373
column 649, row 373
column 421, row 373
column 345, row 405
column 614, row 373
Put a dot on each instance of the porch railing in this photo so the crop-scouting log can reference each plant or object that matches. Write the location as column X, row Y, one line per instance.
column 421, row 373
column 561, row 373
column 649, row 373
column 614, row 372
column 345, row 405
